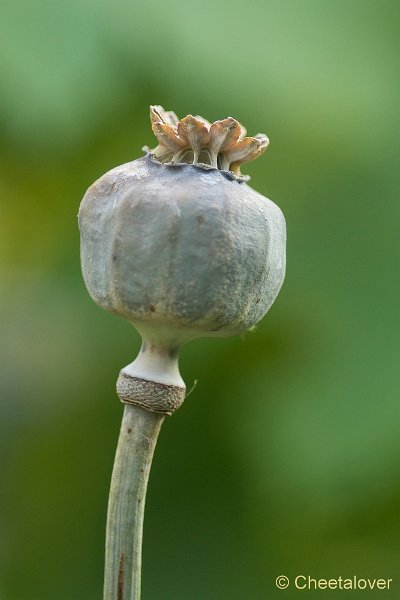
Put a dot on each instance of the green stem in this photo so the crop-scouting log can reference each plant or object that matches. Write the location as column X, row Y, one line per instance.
column 137, row 440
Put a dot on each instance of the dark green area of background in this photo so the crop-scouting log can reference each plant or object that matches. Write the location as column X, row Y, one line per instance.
column 286, row 457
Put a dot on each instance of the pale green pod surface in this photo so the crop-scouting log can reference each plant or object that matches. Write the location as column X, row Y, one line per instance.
column 181, row 250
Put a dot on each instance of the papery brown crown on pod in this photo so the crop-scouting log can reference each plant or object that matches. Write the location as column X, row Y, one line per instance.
column 222, row 145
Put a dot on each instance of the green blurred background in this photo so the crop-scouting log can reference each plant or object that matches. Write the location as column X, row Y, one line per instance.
column 286, row 457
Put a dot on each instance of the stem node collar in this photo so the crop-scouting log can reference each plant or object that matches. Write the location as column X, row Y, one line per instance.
column 150, row 395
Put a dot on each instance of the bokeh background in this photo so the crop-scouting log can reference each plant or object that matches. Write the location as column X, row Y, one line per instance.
column 285, row 459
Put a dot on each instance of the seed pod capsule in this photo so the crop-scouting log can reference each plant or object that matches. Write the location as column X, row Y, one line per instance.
column 178, row 243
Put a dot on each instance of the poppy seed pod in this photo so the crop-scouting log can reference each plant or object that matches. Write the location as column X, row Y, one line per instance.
column 178, row 243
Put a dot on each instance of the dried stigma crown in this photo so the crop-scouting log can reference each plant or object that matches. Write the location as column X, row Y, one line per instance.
column 220, row 145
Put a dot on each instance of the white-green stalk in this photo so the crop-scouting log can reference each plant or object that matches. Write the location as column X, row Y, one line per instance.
column 151, row 388
column 137, row 440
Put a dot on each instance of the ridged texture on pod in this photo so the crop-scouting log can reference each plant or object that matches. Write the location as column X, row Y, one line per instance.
column 181, row 251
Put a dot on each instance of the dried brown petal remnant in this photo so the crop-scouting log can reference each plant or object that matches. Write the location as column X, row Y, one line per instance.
column 194, row 140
